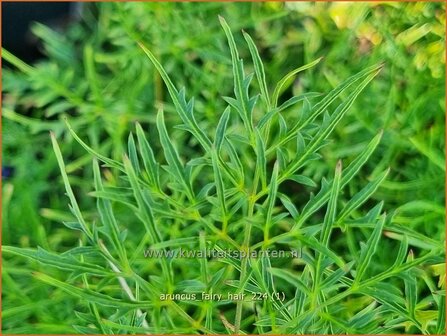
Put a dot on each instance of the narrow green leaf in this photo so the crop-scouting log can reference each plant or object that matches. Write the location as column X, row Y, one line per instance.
column 282, row 158
column 401, row 254
column 172, row 156
column 106, row 160
column 440, row 326
column 144, row 209
column 410, row 292
column 336, row 276
column 288, row 204
column 291, row 277
column 296, row 99
column 132, row 152
column 115, row 195
column 394, row 302
column 353, row 168
column 91, row 296
column 261, row 160
column 106, row 214
column 271, row 199
column 363, row 317
column 91, row 74
column 267, row 322
column 182, row 107
column 219, row 188
column 267, row 277
column 174, row 243
column 261, row 271
column 244, row 104
column 361, row 159
column 203, row 262
column 281, row 86
column 300, row 144
column 221, row 129
column 150, row 165
column 73, row 225
column 329, row 218
column 362, row 196
column 217, row 278
column 314, row 244
column 299, row 301
column 369, row 250
column 259, row 69
column 282, row 126
column 85, row 330
column 414, row 238
column 18, row 63
column 301, row 179
column 70, row 194
column 132, row 329
column 146, row 216
column 64, row 262
column 235, row 160
column 434, row 155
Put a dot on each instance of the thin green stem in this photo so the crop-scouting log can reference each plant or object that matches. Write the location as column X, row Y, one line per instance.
column 246, row 249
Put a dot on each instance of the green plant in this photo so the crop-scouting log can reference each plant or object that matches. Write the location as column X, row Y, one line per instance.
column 92, row 73
column 237, row 192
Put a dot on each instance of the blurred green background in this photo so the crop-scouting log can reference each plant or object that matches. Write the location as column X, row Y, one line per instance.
column 95, row 73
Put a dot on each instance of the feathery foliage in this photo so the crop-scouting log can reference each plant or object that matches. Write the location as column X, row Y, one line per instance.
column 246, row 180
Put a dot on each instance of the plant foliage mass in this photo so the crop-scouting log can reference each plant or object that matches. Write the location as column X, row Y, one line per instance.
column 243, row 187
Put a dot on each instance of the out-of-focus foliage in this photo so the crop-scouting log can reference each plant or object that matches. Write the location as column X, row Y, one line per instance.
column 409, row 99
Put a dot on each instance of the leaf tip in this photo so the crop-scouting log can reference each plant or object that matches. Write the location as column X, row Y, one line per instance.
column 339, row 166
column 125, row 158
column 380, row 67
column 410, row 255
